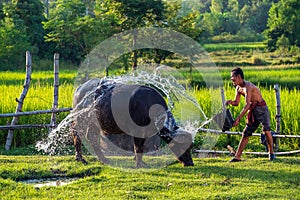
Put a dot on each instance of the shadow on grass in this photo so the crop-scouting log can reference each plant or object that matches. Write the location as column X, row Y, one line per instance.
column 20, row 168
column 262, row 170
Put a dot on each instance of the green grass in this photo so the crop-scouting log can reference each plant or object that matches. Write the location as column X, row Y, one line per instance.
column 287, row 76
column 37, row 77
column 39, row 97
column 210, row 178
column 236, row 46
column 248, row 54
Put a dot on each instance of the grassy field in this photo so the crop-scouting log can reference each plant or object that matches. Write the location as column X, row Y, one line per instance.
column 210, row 178
column 40, row 97
column 226, row 56
column 250, row 54
column 234, row 46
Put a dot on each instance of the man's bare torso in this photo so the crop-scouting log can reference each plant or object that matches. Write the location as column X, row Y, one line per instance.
column 250, row 89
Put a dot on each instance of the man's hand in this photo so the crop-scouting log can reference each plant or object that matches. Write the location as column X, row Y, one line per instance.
column 228, row 102
column 236, row 122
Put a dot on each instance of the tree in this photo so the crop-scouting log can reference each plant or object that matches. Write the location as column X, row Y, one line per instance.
column 217, row 6
column 242, row 3
column 76, row 27
column 13, row 44
column 284, row 21
column 140, row 13
column 1, row 12
column 186, row 21
column 245, row 14
column 136, row 14
column 202, row 6
column 30, row 14
column 219, row 23
column 283, row 44
column 20, row 30
column 61, row 29
column 255, row 16
column 233, row 7
column 260, row 15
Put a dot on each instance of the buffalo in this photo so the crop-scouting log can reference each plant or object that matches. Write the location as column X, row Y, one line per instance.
column 138, row 111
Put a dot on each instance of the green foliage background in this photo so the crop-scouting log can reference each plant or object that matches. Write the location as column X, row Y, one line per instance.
column 74, row 28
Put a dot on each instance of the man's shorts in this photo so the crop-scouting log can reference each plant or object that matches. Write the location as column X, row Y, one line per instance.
column 261, row 116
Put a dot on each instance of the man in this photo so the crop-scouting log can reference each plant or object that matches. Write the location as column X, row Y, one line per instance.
column 256, row 109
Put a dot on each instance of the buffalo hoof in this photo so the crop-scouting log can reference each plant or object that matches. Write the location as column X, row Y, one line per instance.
column 188, row 164
column 83, row 161
column 141, row 164
column 104, row 161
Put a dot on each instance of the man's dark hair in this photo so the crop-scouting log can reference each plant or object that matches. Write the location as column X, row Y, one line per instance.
column 238, row 71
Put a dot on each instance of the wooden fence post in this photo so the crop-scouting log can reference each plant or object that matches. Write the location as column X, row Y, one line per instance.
column 223, row 97
column 278, row 115
column 20, row 101
column 55, row 97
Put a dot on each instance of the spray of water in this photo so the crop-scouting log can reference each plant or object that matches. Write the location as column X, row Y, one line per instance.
column 174, row 93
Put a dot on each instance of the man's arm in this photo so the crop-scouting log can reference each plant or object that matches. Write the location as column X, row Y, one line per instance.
column 236, row 100
column 245, row 109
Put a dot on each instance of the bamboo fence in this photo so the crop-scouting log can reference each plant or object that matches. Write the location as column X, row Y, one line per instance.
column 20, row 100
column 54, row 111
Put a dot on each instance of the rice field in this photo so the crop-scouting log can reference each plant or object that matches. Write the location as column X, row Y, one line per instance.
column 40, row 97
column 287, row 76
column 236, row 46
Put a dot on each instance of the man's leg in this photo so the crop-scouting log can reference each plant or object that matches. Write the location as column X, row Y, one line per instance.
column 247, row 132
column 241, row 147
column 269, row 139
column 265, row 121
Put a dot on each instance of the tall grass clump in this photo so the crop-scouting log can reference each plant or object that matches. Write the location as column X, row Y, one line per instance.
column 39, row 97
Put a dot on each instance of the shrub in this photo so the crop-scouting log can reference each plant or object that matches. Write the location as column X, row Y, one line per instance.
column 257, row 61
column 296, row 59
column 294, row 50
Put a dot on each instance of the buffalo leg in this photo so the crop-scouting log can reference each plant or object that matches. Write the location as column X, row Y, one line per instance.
column 78, row 149
column 180, row 143
column 77, row 144
column 138, row 150
column 94, row 139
